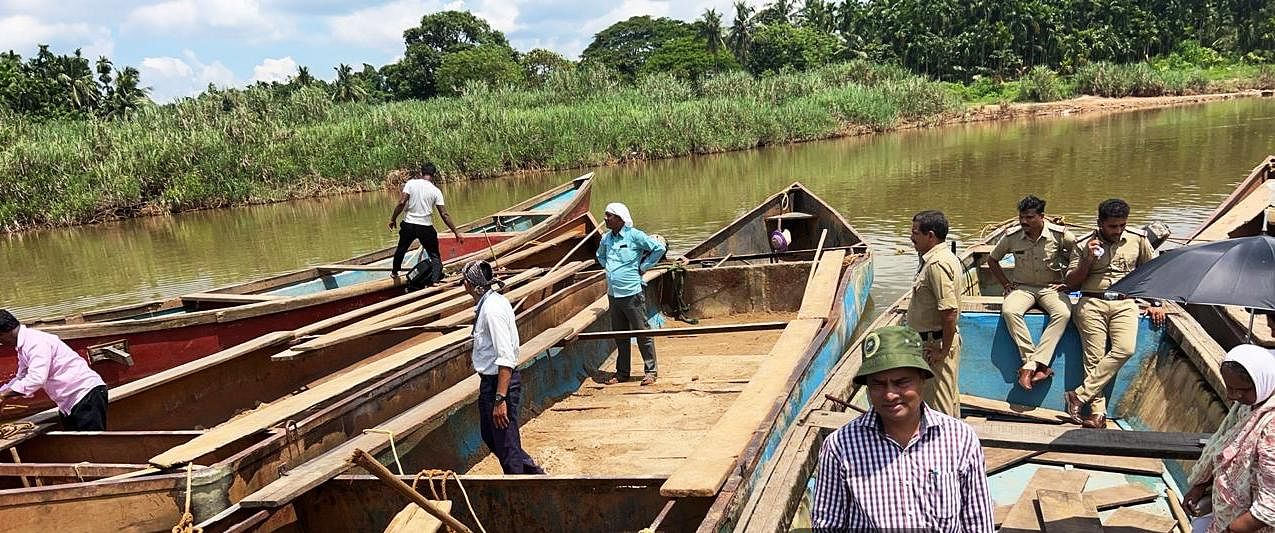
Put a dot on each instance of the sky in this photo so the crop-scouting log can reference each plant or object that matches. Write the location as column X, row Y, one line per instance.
column 181, row 46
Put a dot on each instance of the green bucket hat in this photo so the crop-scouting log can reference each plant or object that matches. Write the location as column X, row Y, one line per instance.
column 891, row 347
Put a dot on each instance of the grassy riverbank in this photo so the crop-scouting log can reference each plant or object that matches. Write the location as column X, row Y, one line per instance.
column 245, row 146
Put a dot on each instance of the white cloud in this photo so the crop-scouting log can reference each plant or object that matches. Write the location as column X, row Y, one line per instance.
column 274, row 70
column 501, row 14
column 626, row 9
column 382, row 26
column 22, row 33
column 184, row 16
column 171, row 78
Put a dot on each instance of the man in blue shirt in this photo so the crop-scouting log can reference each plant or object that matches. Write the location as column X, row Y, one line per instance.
column 626, row 252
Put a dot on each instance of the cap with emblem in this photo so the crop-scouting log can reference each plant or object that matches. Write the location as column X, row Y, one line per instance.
column 891, row 347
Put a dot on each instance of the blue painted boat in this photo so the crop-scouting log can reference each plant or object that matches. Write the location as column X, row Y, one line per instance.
column 1170, row 384
column 769, row 327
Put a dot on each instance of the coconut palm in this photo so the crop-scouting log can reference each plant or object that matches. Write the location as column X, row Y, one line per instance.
column 741, row 31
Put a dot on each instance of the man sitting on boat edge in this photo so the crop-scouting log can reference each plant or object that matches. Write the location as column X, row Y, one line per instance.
column 45, row 362
column 902, row 466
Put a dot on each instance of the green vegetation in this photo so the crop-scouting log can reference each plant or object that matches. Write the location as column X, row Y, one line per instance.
column 78, row 148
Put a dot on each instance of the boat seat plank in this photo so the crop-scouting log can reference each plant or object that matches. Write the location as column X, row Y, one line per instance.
column 792, row 215
column 1028, row 412
column 433, row 411
column 1067, row 512
column 1023, row 517
column 227, row 298
column 1128, row 465
column 997, row 459
column 821, row 292
column 1135, row 521
column 1120, row 496
column 708, row 465
column 1052, row 438
column 508, row 214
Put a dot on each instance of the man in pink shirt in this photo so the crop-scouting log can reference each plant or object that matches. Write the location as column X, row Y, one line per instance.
column 45, row 362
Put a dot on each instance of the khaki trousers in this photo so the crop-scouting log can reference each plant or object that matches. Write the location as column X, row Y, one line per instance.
column 1100, row 321
column 941, row 392
column 1056, row 304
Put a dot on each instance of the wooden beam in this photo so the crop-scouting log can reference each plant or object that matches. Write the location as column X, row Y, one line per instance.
column 1134, row 521
column 71, row 470
column 227, row 298
column 1127, row 465
column 1023, row 515
column 997, row 459
column 1120, row 496
column 821, row 291
column 677, row 332
column 1067, row 512
column 505, row 214
column 1050, row 438
column 354, row 268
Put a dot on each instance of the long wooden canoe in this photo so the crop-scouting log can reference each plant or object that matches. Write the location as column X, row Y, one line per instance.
column 263, row 413
column 769, row 328
column 1240, row 215
column 1169, row 391
column 129, row 343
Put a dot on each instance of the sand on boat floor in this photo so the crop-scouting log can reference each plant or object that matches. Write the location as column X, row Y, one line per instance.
column 627, row 429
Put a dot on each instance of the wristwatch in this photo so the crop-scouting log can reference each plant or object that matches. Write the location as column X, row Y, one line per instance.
column 500, row 397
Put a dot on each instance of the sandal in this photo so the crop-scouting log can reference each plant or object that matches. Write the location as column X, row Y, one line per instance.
column 615, row 380
column 648, row 380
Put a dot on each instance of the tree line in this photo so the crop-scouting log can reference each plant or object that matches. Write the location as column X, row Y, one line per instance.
column 948, row 40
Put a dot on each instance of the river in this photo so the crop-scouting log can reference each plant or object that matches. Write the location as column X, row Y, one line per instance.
column 1172, row 165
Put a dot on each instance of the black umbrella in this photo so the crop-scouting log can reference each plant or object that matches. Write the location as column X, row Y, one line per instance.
column 1237, row 271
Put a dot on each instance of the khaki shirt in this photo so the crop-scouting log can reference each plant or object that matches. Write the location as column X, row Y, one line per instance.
column 1120, row 259
column 937, row 287
column 1038, row 262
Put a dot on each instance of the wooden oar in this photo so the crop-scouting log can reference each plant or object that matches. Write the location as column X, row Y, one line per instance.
column 369, row 463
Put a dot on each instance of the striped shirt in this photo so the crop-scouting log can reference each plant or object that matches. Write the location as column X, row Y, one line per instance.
column 937, row 482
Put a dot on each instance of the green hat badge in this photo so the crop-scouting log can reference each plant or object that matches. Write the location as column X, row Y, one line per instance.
column 891, row 347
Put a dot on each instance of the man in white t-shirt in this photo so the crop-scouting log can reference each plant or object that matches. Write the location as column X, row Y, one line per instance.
column 419, row 200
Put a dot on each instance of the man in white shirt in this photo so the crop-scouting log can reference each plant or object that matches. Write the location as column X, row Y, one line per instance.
column 495, row 358
column 420, row 198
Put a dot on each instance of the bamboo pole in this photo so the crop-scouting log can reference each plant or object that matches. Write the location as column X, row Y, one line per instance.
column 814, row 262
column 369, row 463
column 1179, row 513
column 564, row 260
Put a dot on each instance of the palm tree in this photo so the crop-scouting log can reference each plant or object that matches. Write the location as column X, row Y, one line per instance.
column 819, row 15
column 128, row 94
column 303, row 76
column 741, row 31
column 710, row 28
column 778, row 12
column 346, row 88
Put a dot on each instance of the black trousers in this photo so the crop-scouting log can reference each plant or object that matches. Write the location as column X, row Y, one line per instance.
column 505, row 443
column 408, row 232
column 88, row 414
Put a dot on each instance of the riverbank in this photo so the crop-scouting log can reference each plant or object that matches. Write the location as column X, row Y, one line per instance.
column 247, row 148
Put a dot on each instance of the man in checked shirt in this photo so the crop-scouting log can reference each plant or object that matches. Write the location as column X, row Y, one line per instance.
column 901, row 466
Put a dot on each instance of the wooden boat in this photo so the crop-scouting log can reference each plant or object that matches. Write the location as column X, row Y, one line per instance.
column 768, row 330
column 265, row 403
column 1240, row 215
column 1171, row 385
column 128, row 343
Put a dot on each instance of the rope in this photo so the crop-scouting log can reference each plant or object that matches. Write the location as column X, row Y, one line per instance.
column 187, row 522
column 442, row 481
column 392, row 448
column 15, row 429
column 680, row 307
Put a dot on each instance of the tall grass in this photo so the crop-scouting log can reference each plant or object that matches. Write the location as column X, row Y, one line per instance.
column 247, row 146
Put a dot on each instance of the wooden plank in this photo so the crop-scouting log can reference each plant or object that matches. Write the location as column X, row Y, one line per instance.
column 413, row 519
column 354, row 268
column 997, row 459
column 708, row 465
column 1120, row 496
column 687, row 331
column 1022, row 517
column 227, row 298
column 1067, row 512
column 821, row 291
column 503, row 214
column 277, row 412
column 1128, row 465
column 353, row 333
column 1051, row 438
column 71, row 470
column 431, row 412
column 999, row 514
column 1029, row 412
column 1135, row 521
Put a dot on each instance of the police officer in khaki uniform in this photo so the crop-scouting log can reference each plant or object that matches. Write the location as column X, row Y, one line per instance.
column 1102, row 258
column 934, row 308
column 1042, row 252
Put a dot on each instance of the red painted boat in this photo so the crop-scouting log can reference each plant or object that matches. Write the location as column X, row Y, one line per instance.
column 128, row 343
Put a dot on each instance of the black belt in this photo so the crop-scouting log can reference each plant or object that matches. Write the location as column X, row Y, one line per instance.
column 931, row 335
column 1103, row 295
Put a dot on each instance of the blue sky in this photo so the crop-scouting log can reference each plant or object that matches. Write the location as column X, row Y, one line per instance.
column 183, row 45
